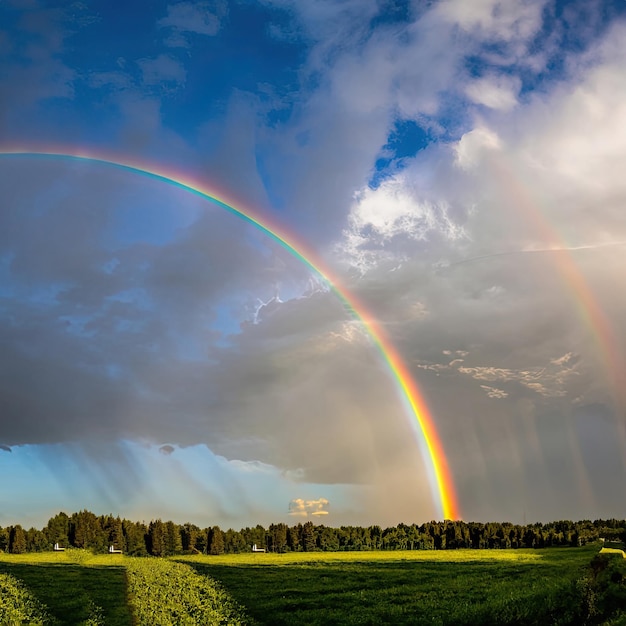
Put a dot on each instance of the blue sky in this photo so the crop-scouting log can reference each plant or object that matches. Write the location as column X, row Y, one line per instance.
column 392, row 139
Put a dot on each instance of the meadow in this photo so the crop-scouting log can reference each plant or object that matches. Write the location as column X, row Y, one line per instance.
column 542, row 586
column 404, row 587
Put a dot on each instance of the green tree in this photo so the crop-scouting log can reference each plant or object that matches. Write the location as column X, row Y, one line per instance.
column 174, row 539
column 309, row 537
column 86, row 531
column 57, row 530
column 4, row 539
column 189, row 537
column 327, row 539
column 235, row 542
column 294, row 535
column 157, row 538
column 135, row 538
column 36, row 540
column 277, row 537
column 216, row 540
column 17, row 540
column 114, row 531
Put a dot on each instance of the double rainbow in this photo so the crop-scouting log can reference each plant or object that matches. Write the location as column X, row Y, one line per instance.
column 422, row 421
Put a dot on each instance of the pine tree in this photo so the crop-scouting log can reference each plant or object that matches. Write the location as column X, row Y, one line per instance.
column 308, row 537
column 216, row 541
column 17, row 540
column 174, row 540
column 157, row 538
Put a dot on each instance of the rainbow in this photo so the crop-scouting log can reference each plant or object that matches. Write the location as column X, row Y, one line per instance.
column 589, row 309
column 422, row 421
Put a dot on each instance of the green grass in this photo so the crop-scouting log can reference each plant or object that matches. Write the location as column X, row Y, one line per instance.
column 17, row 604
column 74, row 586
column 164, row 593
column 418, row 587
column 447, row 587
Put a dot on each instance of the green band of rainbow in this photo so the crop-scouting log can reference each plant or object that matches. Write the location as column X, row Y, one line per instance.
column 422, row 421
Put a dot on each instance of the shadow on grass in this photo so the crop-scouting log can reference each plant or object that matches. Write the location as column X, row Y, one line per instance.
column 68, row 590
column 402, row 592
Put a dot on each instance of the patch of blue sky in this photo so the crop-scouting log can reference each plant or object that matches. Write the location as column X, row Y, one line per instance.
column 243, row 57
column 34, row 491
column 111, row 35
column 272, row 188
column 406, row 139
column 151, row 212
column 45, row 295
column 568, row 27
column 190, row 484
column 137, row 296
column 393, row 12
column 227, row 320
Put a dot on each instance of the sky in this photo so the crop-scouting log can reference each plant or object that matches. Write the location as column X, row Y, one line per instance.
column 456, row 167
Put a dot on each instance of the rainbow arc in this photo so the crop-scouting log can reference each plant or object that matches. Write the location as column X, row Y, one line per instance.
column 422, row 421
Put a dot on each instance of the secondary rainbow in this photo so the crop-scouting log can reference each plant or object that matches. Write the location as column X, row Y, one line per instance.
column 589, row 308
column 422, row 421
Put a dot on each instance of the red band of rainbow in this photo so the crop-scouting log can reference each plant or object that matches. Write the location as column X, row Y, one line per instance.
column 423, row 424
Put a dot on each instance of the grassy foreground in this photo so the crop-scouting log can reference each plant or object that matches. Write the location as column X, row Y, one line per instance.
column 76, row 587
column 552, row 586
column 417, row 587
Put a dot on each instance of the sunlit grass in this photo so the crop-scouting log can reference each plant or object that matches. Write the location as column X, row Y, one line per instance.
column 409, row 587
column 443, row 556
column 18, row 605
column 82, row 588
column 404, row 587
column 164, row 593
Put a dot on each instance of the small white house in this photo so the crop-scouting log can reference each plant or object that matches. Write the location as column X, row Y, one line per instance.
column 58, row 548
column 114, row 550
column 255, row 549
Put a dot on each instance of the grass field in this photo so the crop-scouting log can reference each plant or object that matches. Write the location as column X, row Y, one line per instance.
column 75, row 587
column 418, row 587
column 447, row 587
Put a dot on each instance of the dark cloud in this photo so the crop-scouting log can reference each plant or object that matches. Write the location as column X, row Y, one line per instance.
column 130, row 310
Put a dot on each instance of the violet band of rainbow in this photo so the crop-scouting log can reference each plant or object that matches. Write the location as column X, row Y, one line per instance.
column 422, row 421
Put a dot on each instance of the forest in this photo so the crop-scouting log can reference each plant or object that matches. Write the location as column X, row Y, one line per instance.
column 89, row 531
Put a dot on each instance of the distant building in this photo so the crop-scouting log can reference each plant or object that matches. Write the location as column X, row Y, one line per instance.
column 114, row 550
column 255, row 549
column 58, row 548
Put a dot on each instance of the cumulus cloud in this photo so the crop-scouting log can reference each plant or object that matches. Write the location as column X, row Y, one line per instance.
column 472, row 253
column 303, row 508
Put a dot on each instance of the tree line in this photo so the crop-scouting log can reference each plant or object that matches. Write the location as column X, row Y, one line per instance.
column 158, row 538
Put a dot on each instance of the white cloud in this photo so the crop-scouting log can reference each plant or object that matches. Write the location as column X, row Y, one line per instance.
column 472, row 146
column 495, row 19
column 202, row 18
column 303, row 508
column 393, row 211
column 494, row 392
column 547, row 381
column 495, row 92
